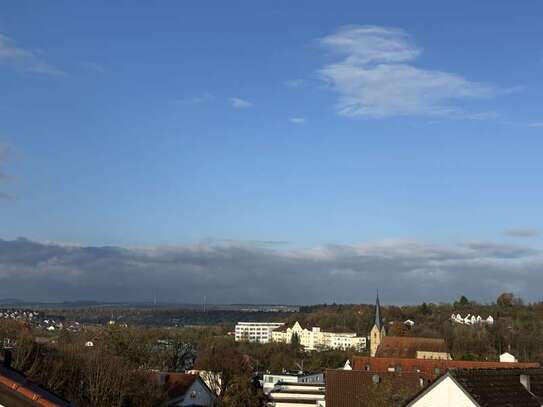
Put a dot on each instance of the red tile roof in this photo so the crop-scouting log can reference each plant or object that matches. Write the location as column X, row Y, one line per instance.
column 14, row 386
column 175, row 384
column 351, row 388
column 407, row 347
column 429, row 369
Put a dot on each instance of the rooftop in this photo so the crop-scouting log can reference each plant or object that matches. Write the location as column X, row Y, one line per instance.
column 350, row 388
column 407, row 347
column 501, row 387
column 429, row 369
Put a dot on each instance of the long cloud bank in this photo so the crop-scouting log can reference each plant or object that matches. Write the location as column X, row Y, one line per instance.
column 236, row 272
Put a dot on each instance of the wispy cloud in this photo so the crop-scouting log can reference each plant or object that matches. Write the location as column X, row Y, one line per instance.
column 297, row 120
column 295, row 83
column 46, row 69
column 12, row 52
column 375, row 76
column 522, row 232
column 230, row 271
column 536, row 124
column 238, row 103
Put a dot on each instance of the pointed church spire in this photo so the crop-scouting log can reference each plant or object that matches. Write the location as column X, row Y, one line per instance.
column 378, row 317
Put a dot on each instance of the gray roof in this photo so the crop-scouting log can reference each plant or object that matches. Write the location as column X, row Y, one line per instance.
column 378, row 316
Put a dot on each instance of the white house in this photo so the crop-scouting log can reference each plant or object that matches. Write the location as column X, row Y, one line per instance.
column 260, row 332
column 186, row 390
column 472, row 319
column 478, row 388
column 508, row 358
column 315, row 339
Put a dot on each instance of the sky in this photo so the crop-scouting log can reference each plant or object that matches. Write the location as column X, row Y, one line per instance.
column 270, row 152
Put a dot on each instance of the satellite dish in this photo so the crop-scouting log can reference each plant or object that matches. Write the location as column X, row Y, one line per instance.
column 375, row 379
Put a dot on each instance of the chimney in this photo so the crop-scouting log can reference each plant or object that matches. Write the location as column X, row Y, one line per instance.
column 525, row 381
column 162, row 378
column 7, row 358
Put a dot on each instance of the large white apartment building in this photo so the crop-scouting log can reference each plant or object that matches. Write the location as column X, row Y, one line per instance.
column 260, row 332
column 315, row 339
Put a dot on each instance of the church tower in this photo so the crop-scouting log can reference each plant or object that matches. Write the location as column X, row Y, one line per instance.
column 378, row 330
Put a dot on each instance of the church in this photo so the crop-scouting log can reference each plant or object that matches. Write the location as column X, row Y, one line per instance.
column 383, row 346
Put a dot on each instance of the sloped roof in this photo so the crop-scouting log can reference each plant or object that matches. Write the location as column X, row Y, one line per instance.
column 429, row 369
column 407, row 347
column 17, row 391
column 501, row 387
column 350, row 388
column 175, row 384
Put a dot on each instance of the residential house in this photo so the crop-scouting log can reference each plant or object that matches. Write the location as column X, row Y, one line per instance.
column 508, row 358
column 185, row 390
column 505, row 387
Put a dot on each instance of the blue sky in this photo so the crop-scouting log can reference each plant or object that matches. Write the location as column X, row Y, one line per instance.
column 312, row 123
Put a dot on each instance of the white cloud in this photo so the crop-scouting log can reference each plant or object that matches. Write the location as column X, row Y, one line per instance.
column 10, row 52
column 295, row 83
column 46, row 69
column 238, row 103
column 375, row 76
column 297, row 120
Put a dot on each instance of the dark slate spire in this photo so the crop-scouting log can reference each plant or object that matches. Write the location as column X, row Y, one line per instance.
column 378, row 317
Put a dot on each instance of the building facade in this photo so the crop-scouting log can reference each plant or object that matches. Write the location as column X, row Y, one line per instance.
column 314, row 339
column 260, row 332
column 297, row 395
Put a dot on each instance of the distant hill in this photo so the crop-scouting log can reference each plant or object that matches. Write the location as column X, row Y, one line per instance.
column 11, row 301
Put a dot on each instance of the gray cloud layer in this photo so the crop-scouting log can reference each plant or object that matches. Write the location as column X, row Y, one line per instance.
column 522, row 232
column 4, row 153
column 233, row 272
